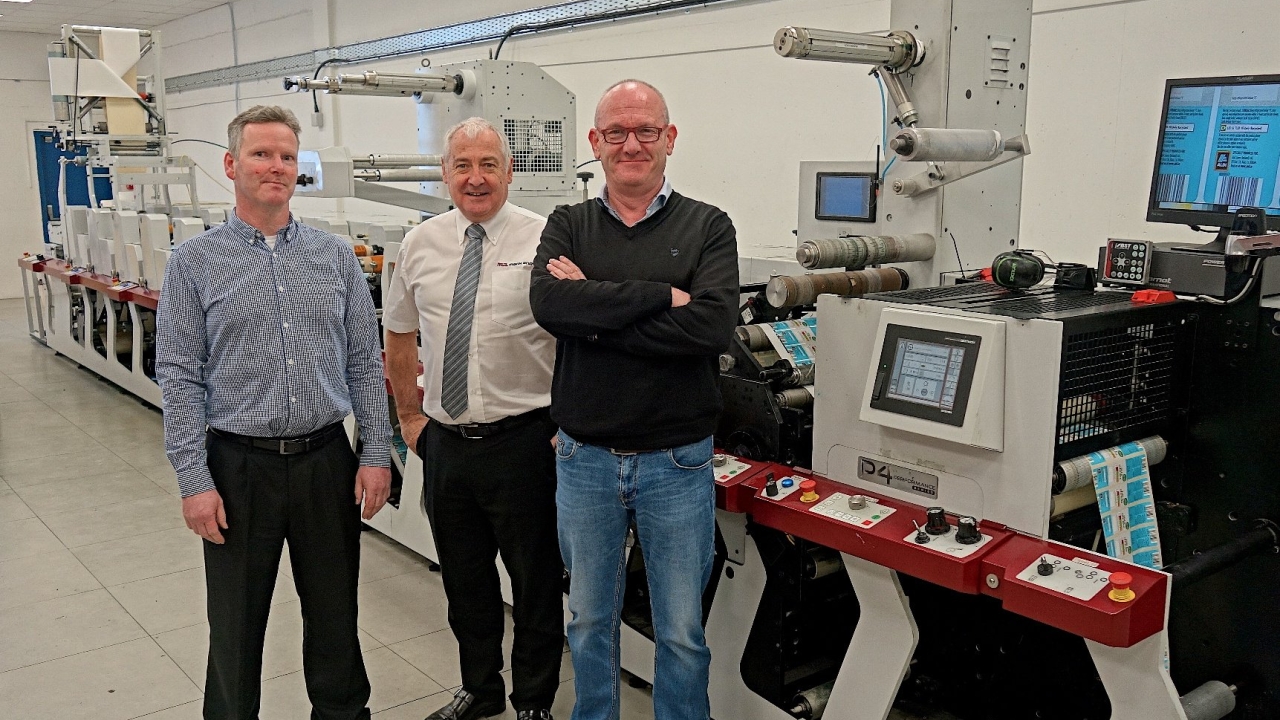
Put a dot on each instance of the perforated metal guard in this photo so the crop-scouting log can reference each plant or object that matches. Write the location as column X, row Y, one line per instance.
column 537, row 146
column 1116, row 378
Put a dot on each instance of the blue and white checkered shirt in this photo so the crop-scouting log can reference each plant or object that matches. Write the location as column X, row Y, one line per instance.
column 266, row 343
column 658, row 202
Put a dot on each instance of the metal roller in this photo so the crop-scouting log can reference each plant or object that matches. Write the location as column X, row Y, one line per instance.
column 399, row 175
column 947, row 145
column 1077, row 472
column 812, row 703
column 374, row 83
column 896, row 52
column 754, row 337
column 796, row 398
column 1211, row 701
column 859, row 251
column 786, row 291
column 397, row 160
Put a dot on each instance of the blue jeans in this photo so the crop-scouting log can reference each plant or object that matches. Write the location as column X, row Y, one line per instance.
column 670, row 494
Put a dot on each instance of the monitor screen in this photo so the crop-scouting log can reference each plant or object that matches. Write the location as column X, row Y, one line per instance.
column 846, row 196
column 925, row 373
column 1219, row 150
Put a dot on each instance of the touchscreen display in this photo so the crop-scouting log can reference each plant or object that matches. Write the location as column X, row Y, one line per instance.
column 926, row 373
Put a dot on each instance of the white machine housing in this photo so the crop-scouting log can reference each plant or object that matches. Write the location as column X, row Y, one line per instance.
column 536, row 113
column 1012, row 405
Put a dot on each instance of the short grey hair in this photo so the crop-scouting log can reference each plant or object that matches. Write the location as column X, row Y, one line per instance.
column 471, row 129
column 256, row 115
column 666, row 115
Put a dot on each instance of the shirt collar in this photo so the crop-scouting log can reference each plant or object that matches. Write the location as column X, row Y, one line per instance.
column 492, row 227
column 248, row 233
column 659, row 200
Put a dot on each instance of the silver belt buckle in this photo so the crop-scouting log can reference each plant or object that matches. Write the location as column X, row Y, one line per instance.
column 282, row 449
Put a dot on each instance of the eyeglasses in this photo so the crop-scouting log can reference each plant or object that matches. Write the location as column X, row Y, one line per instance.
column 617, row 136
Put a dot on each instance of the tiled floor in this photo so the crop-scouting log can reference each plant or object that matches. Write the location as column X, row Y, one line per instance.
column 102, row 586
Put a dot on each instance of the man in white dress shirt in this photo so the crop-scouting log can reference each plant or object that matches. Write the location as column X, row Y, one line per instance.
column 462, row 280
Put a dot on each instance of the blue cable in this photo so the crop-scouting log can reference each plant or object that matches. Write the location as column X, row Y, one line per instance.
column 884, row 128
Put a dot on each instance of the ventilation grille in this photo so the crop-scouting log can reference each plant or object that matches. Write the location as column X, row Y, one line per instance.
column 1115, row 379
column 945, row 292
column 537, row 146
column 1039, row 305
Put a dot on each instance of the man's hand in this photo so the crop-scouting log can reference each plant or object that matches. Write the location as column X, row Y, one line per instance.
column 373, row 486
column 411, row 429
column 562, row 268
column 679, row 298
column 204, row 514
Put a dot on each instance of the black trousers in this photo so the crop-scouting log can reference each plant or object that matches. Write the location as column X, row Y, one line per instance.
column 309, row 501
column 485, row 497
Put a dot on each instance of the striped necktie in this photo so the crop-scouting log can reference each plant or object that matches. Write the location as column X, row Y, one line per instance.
column 457, row 339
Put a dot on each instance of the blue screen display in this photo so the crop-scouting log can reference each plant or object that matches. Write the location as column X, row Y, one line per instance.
column 844, row 197
column 1221, row 149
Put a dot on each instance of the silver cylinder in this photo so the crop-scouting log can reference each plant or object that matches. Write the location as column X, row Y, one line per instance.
column 1078, row 472
column 794, row 398
column 396, row 160
column 754, row 337
column 861, row 250
column 898, row 51
column 907, row 114
column 947, row 145
column 812, row 703
column 400, row 83
column 1211, row 701
column 399, row 175
column 786, row 291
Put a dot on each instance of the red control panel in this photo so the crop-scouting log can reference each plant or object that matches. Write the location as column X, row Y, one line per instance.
column 1059, row 585
column 105, row 284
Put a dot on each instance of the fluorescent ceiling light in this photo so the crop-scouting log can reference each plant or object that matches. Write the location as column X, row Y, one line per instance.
column 16, row 1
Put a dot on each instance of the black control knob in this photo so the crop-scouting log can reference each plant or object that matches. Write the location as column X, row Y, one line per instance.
column 1045, row 568
column 770, row 485
column 967, row 531
column 921, row 536
column 936, row 521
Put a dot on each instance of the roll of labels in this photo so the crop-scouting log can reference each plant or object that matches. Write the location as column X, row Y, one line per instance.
column 852, row 253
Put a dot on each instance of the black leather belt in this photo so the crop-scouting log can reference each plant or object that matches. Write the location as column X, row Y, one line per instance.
column 479, row 431
column 285, row 446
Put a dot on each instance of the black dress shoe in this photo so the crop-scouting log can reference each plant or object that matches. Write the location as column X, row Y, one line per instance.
column 465, row 706
column 534, row 715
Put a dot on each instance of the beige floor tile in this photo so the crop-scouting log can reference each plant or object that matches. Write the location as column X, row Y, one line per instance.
column 113, row 683
column 189, row 649
column 24, row 538
column 22, row 471
column 63, row 626
column 88, row 492
column 160, row 511
column 144, row 556
column 11, row 506
column 161, row 474
column 403, row 607
column 394, row 681
column 193, row 710
column 164, row 603
column 381, row 558
column 436, row 654
column 14, row 393
column 43, row 577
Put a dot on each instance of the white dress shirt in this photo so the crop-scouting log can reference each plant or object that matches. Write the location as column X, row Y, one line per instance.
column 510, row 359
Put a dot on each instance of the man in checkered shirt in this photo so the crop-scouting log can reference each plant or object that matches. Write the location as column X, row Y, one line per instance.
column 266, row 340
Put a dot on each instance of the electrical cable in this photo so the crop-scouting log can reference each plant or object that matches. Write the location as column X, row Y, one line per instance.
column 1248, row 286
column 585, row 19
column 580, row 165
column 206, row 142
column 956, row 245
column 884, row 127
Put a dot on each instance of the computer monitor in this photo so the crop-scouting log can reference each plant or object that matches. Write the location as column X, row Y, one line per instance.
column 1219, row 150
column 847, row 196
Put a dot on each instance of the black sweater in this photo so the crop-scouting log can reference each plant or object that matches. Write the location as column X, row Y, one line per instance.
column 632, row 372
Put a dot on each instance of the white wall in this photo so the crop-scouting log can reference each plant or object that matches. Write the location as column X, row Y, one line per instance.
column 24, row 86
column 746, row 116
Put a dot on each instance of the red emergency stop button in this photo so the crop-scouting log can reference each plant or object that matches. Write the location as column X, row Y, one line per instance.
column 808, row 491
column 1120, row 592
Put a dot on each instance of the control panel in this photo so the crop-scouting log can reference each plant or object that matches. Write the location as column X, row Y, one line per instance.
column 1126, row 262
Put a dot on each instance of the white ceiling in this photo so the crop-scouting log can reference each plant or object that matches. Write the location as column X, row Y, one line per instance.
column 48, row 16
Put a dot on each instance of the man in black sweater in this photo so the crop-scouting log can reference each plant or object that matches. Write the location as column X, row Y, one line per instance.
column 640, row 289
